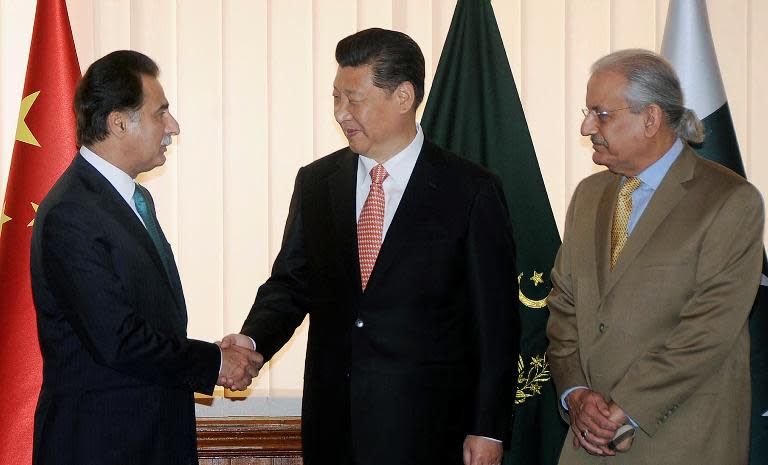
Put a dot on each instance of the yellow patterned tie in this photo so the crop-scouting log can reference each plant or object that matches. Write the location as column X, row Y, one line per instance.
column 621, row 218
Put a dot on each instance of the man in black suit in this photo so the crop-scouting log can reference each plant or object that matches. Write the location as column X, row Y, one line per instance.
column 118, row 369
column 402, row 255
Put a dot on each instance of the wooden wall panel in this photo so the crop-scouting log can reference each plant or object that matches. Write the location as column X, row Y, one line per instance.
column 543, row 72
column 729, row 34
column 245, row 171
column 291, row 130
column 333, row 20
column 163, row 182
column 753, row 151
column 588, row 36
column 200, row 213
column 249, row 441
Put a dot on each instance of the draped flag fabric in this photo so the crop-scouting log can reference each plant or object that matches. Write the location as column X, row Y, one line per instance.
column 44, row 147
column 688, row 45
column 474, row 110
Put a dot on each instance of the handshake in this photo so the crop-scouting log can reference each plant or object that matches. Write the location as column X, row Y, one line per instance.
column 240, row 362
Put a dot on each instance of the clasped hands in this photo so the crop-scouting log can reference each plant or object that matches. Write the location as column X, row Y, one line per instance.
column 594, row 421
column 240, row 362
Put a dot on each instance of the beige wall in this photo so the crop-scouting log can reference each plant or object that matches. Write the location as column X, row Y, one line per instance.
column 250, row 83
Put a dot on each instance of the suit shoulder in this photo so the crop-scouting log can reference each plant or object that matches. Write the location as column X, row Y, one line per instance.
column 717, row 181
column 328, row 163
column 708, row 170
column 596, row 182
column 64, row 190
column 458, row 167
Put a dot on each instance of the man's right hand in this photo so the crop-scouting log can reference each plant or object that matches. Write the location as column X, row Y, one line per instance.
column 236, row 339
column 239, row 366
column 590, row 421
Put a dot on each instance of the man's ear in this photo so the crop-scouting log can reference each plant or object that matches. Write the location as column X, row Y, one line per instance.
column 654, row 119
column 117, row 123
column 405, row 94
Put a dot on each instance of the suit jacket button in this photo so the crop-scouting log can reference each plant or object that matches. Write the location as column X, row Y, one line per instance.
column 359, row 323
column 601, row 328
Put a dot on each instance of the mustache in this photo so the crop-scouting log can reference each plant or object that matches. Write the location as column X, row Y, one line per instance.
column 597, row 140
column 166, row 140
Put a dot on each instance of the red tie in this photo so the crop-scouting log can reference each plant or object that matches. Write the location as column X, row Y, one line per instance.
column 370, row 227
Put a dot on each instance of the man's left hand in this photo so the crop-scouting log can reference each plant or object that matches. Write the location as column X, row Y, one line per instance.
column 482, row 451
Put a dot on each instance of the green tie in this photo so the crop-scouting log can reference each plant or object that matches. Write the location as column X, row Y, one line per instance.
column 152, row 228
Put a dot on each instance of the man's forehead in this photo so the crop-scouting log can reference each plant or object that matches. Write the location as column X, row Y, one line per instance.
column 604, row 87
column 353, row 78
column 153, row 92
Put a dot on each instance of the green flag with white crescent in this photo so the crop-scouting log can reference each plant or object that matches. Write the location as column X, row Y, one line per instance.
column 688, row 45
column 474, row 110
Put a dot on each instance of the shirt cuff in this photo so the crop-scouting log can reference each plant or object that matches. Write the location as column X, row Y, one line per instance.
column 221, row 360
column 565, row 395
column 490, row 439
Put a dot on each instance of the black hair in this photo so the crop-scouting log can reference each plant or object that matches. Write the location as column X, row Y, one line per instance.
column 393, row 56
column 111, row 83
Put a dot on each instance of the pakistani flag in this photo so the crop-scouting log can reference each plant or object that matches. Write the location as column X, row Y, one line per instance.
column 688, row 46
column 474, row 110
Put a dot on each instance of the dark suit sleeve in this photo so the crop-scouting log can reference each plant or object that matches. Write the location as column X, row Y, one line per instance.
column 78, row 268
column 491, row 271
column 281, row 303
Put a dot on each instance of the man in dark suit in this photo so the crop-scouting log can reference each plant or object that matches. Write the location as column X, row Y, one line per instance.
column 402, row 255
column 118, row 369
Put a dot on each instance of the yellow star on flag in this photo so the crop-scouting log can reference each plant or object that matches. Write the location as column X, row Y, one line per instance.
column 23, row 134
column 34, row 207
column 537, row 278
column 3, row 218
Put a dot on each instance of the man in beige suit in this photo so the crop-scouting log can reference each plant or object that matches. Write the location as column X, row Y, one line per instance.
column 654, row 281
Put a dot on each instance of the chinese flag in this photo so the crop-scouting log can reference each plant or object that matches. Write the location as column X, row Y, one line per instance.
column 45, row 144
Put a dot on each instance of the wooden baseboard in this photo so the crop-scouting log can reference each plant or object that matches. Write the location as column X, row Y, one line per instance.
column 249, row 440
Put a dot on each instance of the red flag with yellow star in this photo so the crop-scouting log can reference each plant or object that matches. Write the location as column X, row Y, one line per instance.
column 45, row 145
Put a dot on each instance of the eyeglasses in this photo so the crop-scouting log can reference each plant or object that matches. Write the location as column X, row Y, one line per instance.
column 601, row 116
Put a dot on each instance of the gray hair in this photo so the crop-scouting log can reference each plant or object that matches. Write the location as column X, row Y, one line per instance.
column 652, row 80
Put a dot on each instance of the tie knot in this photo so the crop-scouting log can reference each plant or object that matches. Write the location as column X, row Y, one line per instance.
column 630, row 186
column 139, row 200
column 378, row 174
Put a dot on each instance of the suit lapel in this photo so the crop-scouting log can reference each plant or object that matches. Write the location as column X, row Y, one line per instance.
column 110, row 201
column 420, row 192
column 342, row 186
column 603, row 226
column 664, row 200
column 172, row 270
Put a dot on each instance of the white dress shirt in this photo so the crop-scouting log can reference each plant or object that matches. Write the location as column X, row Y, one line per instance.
column 399, row 169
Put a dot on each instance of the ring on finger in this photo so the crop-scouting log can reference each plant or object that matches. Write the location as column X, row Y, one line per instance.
column 584, row 434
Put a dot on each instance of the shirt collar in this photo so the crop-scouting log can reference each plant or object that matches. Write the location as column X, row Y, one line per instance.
column 400, row 166
column 117, row 177
column 654, row 174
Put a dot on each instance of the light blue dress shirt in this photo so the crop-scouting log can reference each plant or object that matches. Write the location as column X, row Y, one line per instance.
column 650, row 179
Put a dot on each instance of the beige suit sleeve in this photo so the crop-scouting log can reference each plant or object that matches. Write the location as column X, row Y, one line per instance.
column 727, row 276
column 563, row 334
